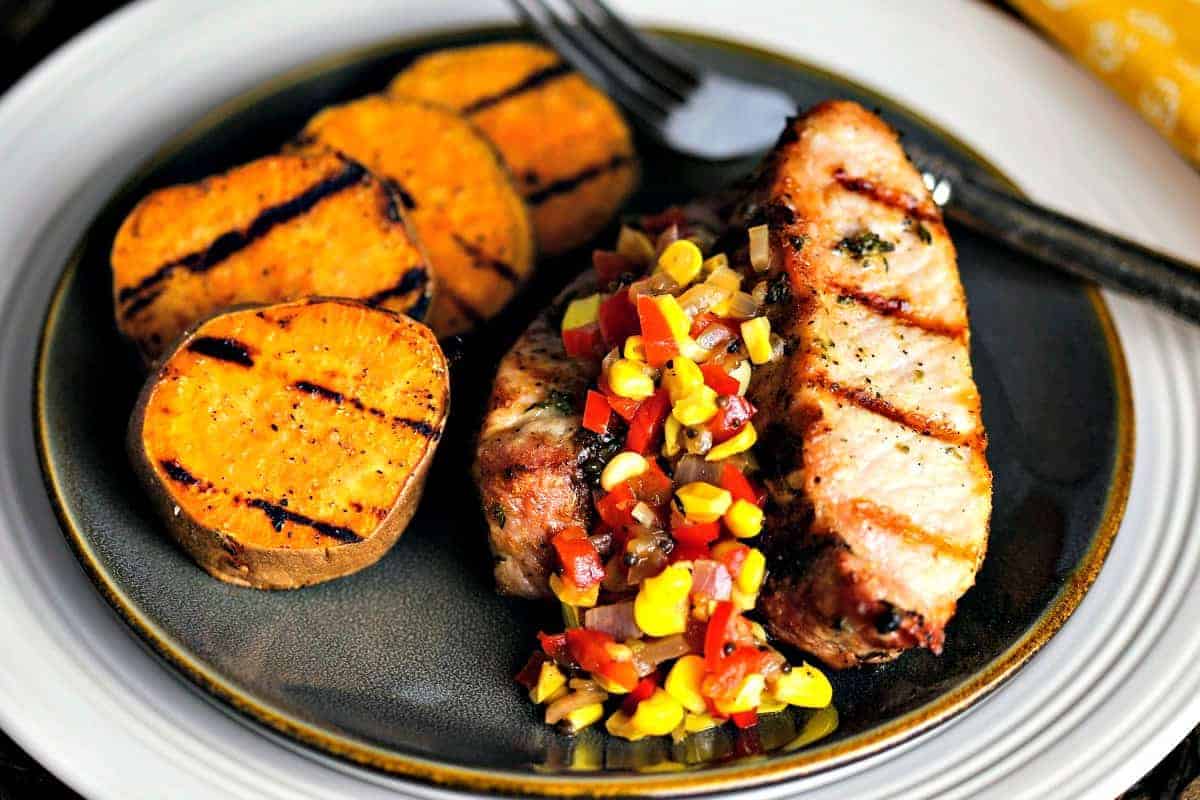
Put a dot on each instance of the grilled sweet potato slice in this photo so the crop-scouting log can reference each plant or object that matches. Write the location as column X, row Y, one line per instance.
column 564, row 141
column 459, row 195
column 287, row 445
column 276, row 229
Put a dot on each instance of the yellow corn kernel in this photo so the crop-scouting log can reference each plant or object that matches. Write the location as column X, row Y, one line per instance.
column 681, row 260
column 682, row 378
column 756, row 333
column 703, row 502
column 741, row 373
column 769, row 705
column 688, row 348
column 671, row 432
column 744, row 519
column 753, row 569
column 694, row 723
column 805, row 686
column 581, row 311
column 621, row 468
column 677, row 319
column 657, row 715
column 713, row 262
column 584, row 716
column 661, row 605
column 619, row 652
column 749, row 695
column 635, row 245
column 635, row 349
column 629, row 379
column 725, row 278
column 550, row 680
column 740, row 442
column 743, row 601
column 697, row 408
column 572, row 595
column 608, row 686
column 620, row 724
column 683, row 683
column 757, row 631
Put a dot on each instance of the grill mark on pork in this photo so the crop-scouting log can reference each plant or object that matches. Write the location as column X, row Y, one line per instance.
column 530, row 82
column 888, row 196
column 570, row 182
column 231, row 242
column 418, row 426
column 222, row 349
column 876, row 403
column 278, row 515
column 900, row 309
column 905, row 528
column 482, row 260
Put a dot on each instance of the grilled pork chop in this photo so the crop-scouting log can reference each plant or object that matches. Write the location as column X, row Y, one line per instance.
column 873, row 443
column 529, row 461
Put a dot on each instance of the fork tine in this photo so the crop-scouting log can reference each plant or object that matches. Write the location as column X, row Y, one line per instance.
column 617, row 50
column 647, row 102
column 658, row 63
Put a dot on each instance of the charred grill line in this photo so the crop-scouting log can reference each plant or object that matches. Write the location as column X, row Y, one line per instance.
column 279, row 515
column 337, row 398
column 483, row 261
column 530, row 81
column 877, row 404
column 230, row 350
column 319, row 391
column 415, row 278
column 142, row 302
column 420, row 426
column 460, row 303
column 406, row 199
column 899, row 309
column 888, row 196
column 231, row 242
column 569, row 183
column 176, row 472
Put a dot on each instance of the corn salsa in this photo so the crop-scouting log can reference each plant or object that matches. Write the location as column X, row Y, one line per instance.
column 655, row 597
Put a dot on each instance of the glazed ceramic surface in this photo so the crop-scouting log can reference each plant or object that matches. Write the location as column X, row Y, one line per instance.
column 421, row 650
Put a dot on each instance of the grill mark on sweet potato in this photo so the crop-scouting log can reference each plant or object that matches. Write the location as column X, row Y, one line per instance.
column 888, row 196
column 141, row 303
column 222, row 349
column 572, row 182
column 231, row 242
column 176, row 472
column 406, row 199
column 877, row 404
column 338, row 398
column 483, row 261
column 461, row 305
column 899, row 308
column 905, row 528
column 531, row 81
column 279, row 515
column 415, row 278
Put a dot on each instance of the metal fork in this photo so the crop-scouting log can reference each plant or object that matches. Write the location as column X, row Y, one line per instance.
column 710, row 116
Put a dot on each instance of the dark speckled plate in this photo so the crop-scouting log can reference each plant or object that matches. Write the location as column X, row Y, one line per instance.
column 407, row 666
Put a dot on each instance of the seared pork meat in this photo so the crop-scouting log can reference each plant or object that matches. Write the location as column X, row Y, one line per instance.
column 530, row 462
column 873, row 446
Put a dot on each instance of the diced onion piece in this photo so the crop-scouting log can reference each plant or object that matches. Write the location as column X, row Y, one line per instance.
column 693, row 468
column 759, row 292
column 635, row 246
column 645, row 515
column 565, row 705
column 697, row 441
column 616, row 620
column 647, row 655
column 669, row 236
column 711, row 579
column 701, row 297
column 725, row 277
column 741, row 372
column 714, row 261
column 742, row 306
column 656, row 284
column 760, row 247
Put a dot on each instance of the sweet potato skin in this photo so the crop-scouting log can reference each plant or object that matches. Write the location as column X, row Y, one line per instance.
column 242, row 559
column 460, row 197
column 276, row 229
column 564, row 141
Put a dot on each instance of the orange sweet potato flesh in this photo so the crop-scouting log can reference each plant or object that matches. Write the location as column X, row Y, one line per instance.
column 564, row 141
column 287, row 445
column 461, row 200
column 276, row 229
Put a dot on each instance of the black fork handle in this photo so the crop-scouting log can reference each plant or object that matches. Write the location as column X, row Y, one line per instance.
column 1077, row 247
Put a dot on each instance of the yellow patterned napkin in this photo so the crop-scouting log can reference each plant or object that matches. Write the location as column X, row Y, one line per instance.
column 1148, row 51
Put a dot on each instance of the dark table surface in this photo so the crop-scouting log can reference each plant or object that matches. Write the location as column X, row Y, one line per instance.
column 29, row 31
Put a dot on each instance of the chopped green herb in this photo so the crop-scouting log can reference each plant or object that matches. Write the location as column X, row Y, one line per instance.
column 560, row 401
column 497, row 512
column 864, row 245
column 845, row 300
column 798, row 242
column 924, row 234
column 778, row 290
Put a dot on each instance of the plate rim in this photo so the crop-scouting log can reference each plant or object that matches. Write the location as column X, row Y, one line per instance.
column 904, row 728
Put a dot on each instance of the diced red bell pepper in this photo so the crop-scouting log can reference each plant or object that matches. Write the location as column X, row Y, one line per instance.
column 716, row 635
column 609, row 266
column 657, row 339
column 644, row 689
column 734, row 558
column 734, row 481
column 618, row 318
column 653, row 486
column 581, row 563
column 589, row 649
column 555, row 646
column 528, row 676
column 733, row 412
column 596, row 412
column 646, row 427
column 689, row 552
column 745, row 719
column 616, row 507
column 585, row 342
column 698, row 535
column 719, row 380
column 708, row 319
column 622, row 405
column 656, row 223
column 724, row 681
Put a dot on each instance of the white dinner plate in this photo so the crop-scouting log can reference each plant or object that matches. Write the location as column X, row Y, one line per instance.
column 1106, row 698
